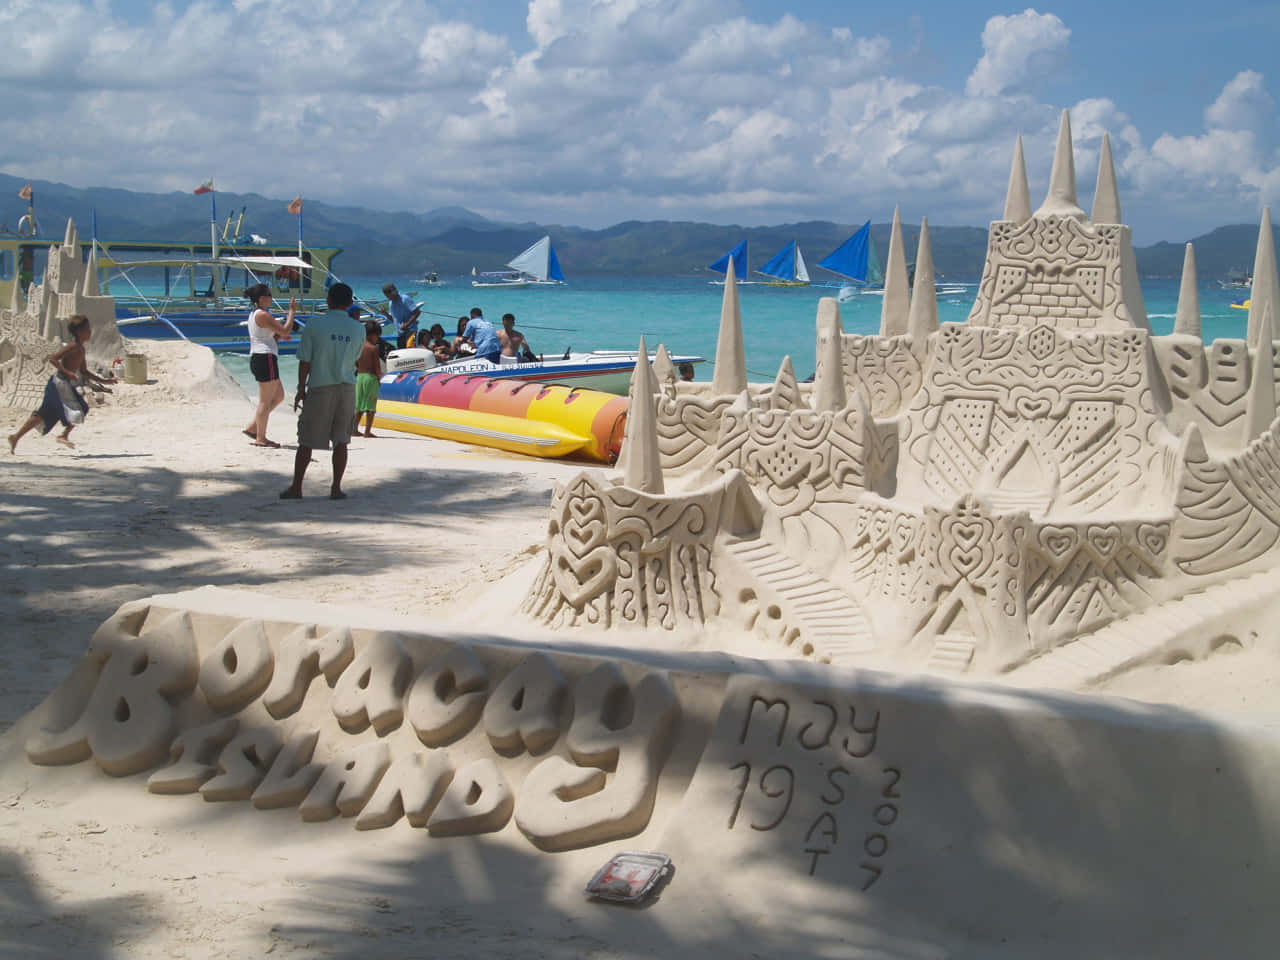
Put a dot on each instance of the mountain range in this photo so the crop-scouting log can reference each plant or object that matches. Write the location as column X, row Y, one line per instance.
column 453, row 240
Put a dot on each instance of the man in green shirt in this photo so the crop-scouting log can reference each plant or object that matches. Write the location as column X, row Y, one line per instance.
column 327, row 356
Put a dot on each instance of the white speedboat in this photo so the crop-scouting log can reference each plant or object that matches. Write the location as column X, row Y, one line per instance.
column 606, row 370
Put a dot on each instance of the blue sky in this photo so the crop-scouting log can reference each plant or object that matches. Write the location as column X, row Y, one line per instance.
column 588, row 112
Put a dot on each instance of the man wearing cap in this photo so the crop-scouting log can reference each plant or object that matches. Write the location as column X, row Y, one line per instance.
column 404, row 312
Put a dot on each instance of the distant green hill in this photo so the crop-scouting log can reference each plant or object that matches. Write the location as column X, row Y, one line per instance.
column 453, row 240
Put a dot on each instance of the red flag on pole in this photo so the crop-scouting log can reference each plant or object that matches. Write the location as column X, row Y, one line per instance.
column 25, row 192
column 296, row 207
column 206, row 187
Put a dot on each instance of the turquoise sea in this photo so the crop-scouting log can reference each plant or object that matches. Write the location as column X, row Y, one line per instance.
column 599, row 313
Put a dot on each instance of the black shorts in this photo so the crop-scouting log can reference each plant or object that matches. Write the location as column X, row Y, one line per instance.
column 265, row 367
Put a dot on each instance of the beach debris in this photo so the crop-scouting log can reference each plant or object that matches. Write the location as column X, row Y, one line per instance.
column 630, row 877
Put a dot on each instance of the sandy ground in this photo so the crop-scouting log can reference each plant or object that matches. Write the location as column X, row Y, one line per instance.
column 162, row 494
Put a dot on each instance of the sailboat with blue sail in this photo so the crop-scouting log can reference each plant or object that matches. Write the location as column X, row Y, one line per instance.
column 787, row 269
column 741, row 264
column 855, row 261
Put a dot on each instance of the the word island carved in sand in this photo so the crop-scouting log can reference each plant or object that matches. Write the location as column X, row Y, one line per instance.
column 971, row 496
column 786, row 796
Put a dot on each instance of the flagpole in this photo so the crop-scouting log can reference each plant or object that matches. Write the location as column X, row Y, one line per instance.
column 213, row 219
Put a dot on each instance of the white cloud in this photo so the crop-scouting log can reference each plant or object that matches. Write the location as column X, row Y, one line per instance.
column 601, row 112
column 1018, row 52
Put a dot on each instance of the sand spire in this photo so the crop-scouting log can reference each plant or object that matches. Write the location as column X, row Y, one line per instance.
column 828, row 386
column 1017, row 202
column 924, row 293
column 1188, row 317
column 731, row 359
column 644, row 465
column 1266, row 288
column 897, row 292
column 1061, row 199
column 1106, row 195
column 1260, row 407
column 664, row 371
column 786, row 392
column 91, row 274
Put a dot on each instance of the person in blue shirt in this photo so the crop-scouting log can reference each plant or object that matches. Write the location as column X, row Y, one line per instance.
column 482, row 333
column 404, row 312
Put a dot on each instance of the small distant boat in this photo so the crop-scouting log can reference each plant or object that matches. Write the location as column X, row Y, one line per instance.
column 538, row 266
column 432, row 279
column 787, row 269
column 1237, row 280
column 741, row 264
column 1246, row 304
column 855, row 261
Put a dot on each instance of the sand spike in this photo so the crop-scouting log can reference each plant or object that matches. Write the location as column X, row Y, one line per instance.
column 1017, row 202
column 1106, row 195
column 786, row 392
column 1266, row 288
column 644, row 465
column 1188, row 317
column 923, row 319
column 70, row 240
column 828, row 386
column 897, row 293
column 731, row 358
column 17, row 302
column 664, row 371
column 91, row 288
column 1260, row 407
column 1061, row 199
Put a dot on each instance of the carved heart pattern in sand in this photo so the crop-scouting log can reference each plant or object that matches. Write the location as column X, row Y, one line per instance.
column 702, row 418
column 1153, row 537
column 967, row 553
column 1033, row 408
column 1104, row 539
column 579, row 579
column 1059, row 541
column 583, row 523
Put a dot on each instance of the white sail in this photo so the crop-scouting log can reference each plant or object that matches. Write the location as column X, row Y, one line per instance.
column 535, row 261
column 802, row 272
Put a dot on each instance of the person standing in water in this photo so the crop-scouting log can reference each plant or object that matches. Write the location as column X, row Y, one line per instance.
column 265, row 334
column 63, row 402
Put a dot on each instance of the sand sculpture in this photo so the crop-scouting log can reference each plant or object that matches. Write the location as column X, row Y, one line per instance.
column 31, row 327
column 1047, row 479
column 963, row 497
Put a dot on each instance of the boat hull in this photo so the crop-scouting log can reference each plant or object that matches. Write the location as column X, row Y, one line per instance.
column 602, row 370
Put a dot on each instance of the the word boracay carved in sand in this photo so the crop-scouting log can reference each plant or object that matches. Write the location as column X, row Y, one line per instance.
column 964, row 496
column 459, row 737
column 32, row 325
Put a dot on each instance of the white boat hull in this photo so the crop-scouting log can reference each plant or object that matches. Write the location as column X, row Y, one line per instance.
column 605, row 370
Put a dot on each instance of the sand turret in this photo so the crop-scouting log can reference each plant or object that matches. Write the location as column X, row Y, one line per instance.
column 1017, row 202
column 1106, row 196
column 897, row 291
column 644, row 466
column 1061, row 201
column 828, row 388
column 730, row 375
column 1188, row 317
column 1266, row 287
column 924, row 294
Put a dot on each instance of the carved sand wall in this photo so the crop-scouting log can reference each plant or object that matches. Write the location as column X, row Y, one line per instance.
column 966, row 496
column 846, row 800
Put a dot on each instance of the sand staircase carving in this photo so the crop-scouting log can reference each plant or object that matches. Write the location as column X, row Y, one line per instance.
column 1189, row 627
column 832, row 627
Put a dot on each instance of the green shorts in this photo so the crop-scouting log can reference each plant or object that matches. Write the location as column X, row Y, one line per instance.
column 366, row 392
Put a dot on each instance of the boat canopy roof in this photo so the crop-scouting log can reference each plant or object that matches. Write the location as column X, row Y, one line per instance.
column 264, row 262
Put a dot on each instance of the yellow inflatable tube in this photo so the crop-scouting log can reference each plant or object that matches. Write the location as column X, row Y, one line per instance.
column 535, row 438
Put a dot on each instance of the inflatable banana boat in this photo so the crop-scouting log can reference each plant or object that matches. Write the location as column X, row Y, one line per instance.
column 529, row 418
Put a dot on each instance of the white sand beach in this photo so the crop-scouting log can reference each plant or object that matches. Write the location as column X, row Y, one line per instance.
column 163, row 494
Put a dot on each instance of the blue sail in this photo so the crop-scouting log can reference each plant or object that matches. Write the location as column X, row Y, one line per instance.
column 783, row 266
column 852, row 258
column 553, row 266
column 739, row 257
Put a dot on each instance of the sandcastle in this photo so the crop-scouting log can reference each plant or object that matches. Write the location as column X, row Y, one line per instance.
column 33, row 325
column 1047, row 489
column 964, row 497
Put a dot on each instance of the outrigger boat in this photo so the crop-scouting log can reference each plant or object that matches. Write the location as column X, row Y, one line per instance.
column 537, row 266
column 608, row 371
